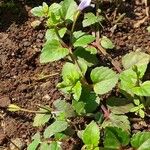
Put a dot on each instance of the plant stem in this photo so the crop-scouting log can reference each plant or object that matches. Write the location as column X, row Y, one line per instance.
column 72, row 56
column 101, row 49
column 106, row 112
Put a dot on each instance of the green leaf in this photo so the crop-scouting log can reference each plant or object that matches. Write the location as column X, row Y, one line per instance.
column 141, row 141
column 143, row 90
column 44, row 146
column 45, row 7
column 104, row 79
column 55, row 146
column 84, row 55
column 138, row 59
column 83, row 40
column 38, row 11
column 53, row 51
column 69, row 8
column 79, row 107
column 54, row 8
column 91, row 49
column 13, row 107
column 70, row 77
column 106, row 43
column 35, row 143
column 56, row 127
column 70, row 73
column 63, row 106
column 120, row 121
column 41, row 119
column 91, row 134
column 77, row 89
column 89, row 19
column 128, row 81
column 60, row 136
column 51, row 35
column 119, row 105
column 87, row 103
column 83, row 66
column 115, row 138
column 141, row 113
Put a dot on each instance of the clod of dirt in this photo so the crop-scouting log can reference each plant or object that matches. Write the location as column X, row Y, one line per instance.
column 2, row 137
column 4, row 101
column 40, row 36
column 46, row 97
column 23, row 87
column 17, row 144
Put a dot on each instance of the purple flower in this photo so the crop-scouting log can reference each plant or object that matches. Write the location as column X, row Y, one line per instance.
column 83, row 4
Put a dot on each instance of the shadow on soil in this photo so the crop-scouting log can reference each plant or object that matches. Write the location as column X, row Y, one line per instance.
column 16, row 11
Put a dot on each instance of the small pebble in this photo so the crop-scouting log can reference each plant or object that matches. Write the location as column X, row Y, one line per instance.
column 4, row 101
column 40, row 36
column 26, row 43
column 18, row 142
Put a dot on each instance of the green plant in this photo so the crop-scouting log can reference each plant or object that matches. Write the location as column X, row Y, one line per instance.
column 86, row 81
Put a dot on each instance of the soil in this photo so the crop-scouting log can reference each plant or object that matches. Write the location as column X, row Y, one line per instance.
column 20, row 70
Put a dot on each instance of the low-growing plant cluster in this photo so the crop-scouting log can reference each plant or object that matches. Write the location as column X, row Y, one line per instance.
column 106, row 95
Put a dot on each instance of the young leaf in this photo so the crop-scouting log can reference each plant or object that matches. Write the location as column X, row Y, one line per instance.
column 89, row 19
column 45, row 7
column 55, row 146
column 62, row 105
column 107, row 43
column 70, row 77
column 128, row 81
column 41, row 119
column 115, row 138
column 91, row 135
column 135, row 58
column 44, row 146
column 83, row 40
column 69, row 8
column 13, row 108
column 143, row 90
column 38, row 11
column 120, row 121
column 51, row 35
column 91, row 49
column 36, row 141
column 54, row 9
column 104, row 79
column 70, row 73
column 141, row 141
column 53, row 51
column 56, row 127
column 84, row 55
column 87, row 103
column 76, row 90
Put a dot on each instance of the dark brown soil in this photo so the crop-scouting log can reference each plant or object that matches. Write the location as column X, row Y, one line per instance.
column 20, row 46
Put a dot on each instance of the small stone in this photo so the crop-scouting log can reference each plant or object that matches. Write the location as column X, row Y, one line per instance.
column 26, row 43
column 18, row 142
column 22, row 87
column 46, row 97
column 40, row 36
column 45, row 85
column 35, row 23
column 4, row 101
column 136, row 126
